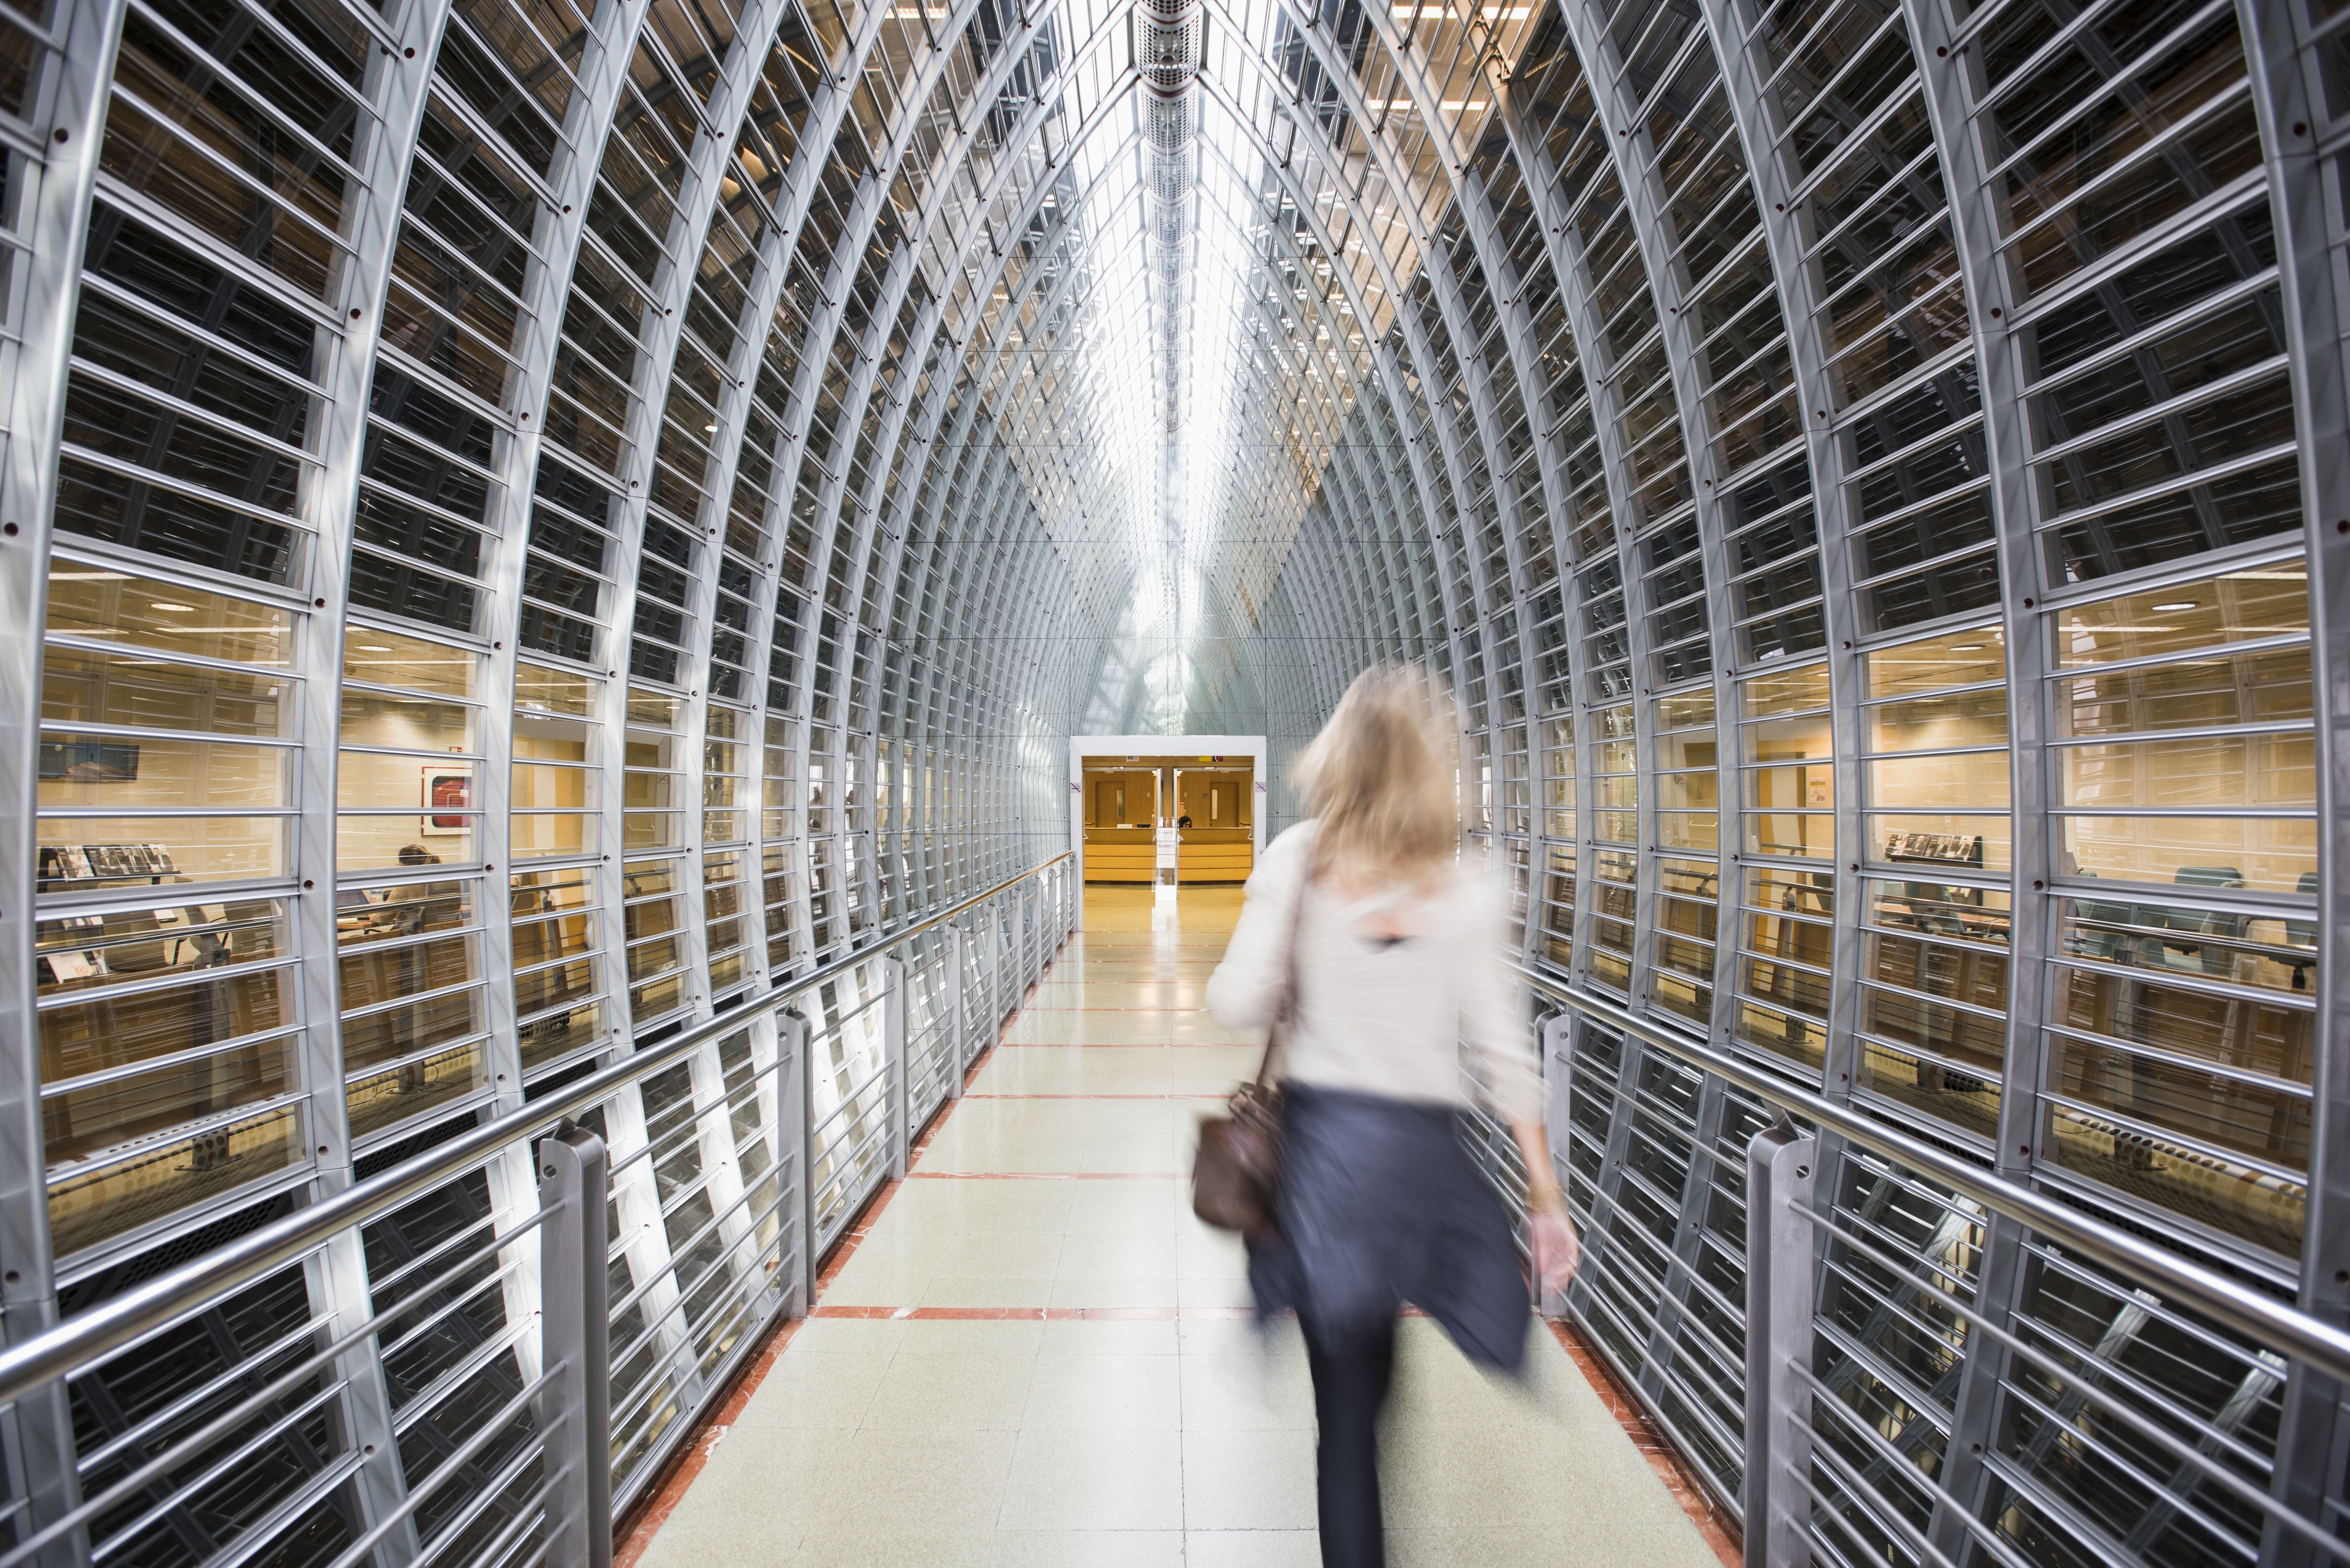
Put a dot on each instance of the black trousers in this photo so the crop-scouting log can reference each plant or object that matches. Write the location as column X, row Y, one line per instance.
column 1350, row 1384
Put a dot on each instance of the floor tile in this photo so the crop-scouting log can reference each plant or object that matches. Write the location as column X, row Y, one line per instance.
column 1089, row 1548
column 758, row 1543
column 1248, row 1480
column 1251, row 1549
column 1085, row 1393
column 1095, row 1480
column 814, row 1389
column 868, row 1545
column 1113, row 1336
column 939, row 1393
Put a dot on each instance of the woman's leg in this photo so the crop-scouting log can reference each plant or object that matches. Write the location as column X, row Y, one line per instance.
column 1350, row 1384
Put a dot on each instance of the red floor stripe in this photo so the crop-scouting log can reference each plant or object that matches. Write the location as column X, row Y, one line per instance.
column 1039, row 1315
column 1097, row 1096
column 1049, row 1176
column 1058, row 1315
column 1130, row 1045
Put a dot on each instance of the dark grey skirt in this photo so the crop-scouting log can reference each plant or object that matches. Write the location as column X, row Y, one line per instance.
column 1379, row 1205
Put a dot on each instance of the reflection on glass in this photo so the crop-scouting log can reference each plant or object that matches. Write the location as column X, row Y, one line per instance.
column 125, row 1060
column 1614, row 876
column 2223, row 1145
column 2240, row 607
column 84, row 852
column 555, row 993
column 2194, row 693
column 116, row 607
column 93, row 1204
column 538, row 689
column 87, row 687
column 2243, row 1035
column 381, row 657
column 1934, row 971
column 1951, row 1092
column 415, row 1088
column 1785, row 691
column 1787, row 944
column 2269, row 853
column 382, row 718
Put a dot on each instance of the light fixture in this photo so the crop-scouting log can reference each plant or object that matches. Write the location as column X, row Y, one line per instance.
column 170, row 608
column 373, row 648
column 2174, row 604
column 1966, row 648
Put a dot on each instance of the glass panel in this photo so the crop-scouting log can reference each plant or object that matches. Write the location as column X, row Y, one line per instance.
column 124, row 851
column 157, row 1180
column 394, row 658
column 2262, row 602
column 78, row 686
column 114, row 607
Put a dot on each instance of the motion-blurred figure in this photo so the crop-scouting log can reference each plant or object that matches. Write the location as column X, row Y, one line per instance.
column 1397, row 956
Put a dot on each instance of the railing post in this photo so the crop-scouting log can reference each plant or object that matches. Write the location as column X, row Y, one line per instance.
column 893, row 1061
column 1030, row 929
column 995, row 1008
column 574, row 1340
column 1781, row 1163
column 953, row 1043
column 795, row 1100
column 1555, row 1036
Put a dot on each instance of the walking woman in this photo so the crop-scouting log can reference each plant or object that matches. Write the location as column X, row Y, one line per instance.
column 1385, row 948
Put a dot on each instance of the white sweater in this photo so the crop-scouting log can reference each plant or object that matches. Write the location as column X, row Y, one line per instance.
column 1375, row 1013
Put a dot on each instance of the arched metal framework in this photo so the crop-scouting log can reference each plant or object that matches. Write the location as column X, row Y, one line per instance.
column 644, row 491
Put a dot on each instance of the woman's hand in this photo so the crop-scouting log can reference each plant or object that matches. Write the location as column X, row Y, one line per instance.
column 1556, row 1250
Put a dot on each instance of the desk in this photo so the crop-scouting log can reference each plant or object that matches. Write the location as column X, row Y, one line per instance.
column 1121, row 855
column 1214, row 855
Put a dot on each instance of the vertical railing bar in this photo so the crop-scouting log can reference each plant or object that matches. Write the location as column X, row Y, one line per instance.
column 796, row 1112
column 893, row 1056
column 1780, row 1162
column 957, row 1061
column 576, row 1334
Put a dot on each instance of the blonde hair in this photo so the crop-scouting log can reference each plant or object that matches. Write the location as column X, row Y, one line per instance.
column 1383, row 777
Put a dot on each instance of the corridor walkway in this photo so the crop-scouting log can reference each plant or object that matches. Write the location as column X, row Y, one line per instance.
column 1036, row 1358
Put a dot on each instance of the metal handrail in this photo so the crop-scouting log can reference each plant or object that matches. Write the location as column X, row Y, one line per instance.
column 197, row 1284
column 2281, row 1327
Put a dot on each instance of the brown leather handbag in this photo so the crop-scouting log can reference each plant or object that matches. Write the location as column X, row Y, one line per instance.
column 1239, row 1160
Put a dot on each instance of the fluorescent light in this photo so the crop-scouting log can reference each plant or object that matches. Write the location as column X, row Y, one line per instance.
column 2174, row 604
column 170, row 608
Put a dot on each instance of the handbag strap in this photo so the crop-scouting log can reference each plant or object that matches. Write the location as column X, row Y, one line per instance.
column 1288, row 1004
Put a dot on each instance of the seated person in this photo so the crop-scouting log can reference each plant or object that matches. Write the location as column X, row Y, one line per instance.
column 1184, row 820
column 407, row 902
